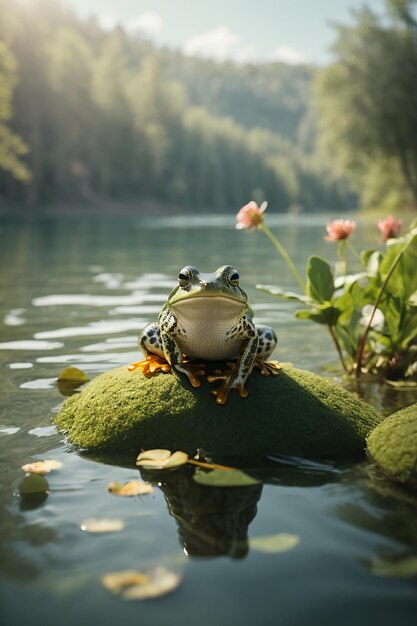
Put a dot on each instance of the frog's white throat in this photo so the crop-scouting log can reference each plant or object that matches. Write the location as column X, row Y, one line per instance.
column 208, row 310
column 208, row 326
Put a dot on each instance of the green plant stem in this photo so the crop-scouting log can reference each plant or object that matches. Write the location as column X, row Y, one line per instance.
column 342, row 254
column 353, row 249
column 362, row 343
column 278, row 245
column 338, row 348
column 209, row 465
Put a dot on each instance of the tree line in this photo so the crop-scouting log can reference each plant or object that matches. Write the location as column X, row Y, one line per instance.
column 90, row 116
column 93, row 117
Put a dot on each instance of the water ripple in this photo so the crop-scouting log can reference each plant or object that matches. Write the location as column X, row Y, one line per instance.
column 95, row 328
column 31, row 344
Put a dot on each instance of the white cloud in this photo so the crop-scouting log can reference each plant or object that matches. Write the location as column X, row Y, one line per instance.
column 289, row 55
column 107, row 21
column 220, row 44
column 148, row 24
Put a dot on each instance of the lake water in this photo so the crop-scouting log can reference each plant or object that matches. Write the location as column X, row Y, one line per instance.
column 77, row 292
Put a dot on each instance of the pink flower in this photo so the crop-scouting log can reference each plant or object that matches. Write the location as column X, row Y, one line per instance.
column 389, row 227
column 251, row 215
column 339, row 229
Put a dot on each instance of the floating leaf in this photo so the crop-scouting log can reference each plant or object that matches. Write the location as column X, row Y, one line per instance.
column 42, row 467
column 402, row 384
column 273, row 544
column 161, row 459
column 92, row 525
column 33, row 486
column 224, row 478
column 134, row 585
column 117, row 581
column 73, row 375
column 131, row 488
column 404, row 567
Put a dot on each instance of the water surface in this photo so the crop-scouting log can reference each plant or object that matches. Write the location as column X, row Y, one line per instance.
column 77, row 292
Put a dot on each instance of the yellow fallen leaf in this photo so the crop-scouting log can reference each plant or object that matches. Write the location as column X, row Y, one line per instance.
column 117, row 581
column 134, row 585
column 161, row 459
column 42, row 467
column 131, row 488
column 92, row 525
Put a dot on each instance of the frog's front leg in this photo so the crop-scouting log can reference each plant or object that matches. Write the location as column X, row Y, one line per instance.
column 237, row 375
column 170, row 332
column 150, row 343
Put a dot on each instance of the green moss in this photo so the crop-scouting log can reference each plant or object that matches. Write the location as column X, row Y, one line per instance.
column 296, row 413
column 393, row 446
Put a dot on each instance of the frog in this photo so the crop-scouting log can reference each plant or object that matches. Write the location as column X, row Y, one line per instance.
column 207, row 317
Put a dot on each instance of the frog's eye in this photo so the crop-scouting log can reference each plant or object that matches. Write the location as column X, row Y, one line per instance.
column 184, row 277
column 234, row 277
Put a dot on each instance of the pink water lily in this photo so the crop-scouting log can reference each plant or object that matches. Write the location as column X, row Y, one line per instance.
column 339, row 229
column 389, row 227
column 250, row 215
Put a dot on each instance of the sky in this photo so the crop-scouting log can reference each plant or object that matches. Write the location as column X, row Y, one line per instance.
column 293, row 31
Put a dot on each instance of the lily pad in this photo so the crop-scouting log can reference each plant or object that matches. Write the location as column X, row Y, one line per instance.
column 135, row 585
column 274, row 544
column 224, row 478
column 131, row 488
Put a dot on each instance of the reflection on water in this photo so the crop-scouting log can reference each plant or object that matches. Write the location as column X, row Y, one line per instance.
column 211, row 521
column 77, row 293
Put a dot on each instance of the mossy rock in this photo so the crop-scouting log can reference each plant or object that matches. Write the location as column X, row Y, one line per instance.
column 295, row 413
column 393, row 446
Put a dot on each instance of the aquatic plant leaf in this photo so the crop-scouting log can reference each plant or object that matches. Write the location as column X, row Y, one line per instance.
column 273, row 544
column 224, row 478
column 135, row 585
column 320, row 285
column 286, row 295
column 92, row 525
column 42, row 467
column 131, row 488
column 412, row 300
column 73, row 375
column 161, row 459
column 404, row 567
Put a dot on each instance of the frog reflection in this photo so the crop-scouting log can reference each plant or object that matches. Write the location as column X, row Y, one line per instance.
column 211, row 521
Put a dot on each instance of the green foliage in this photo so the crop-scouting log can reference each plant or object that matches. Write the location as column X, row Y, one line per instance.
column 386, row 291
column 320, row 284
column 109, row 117
column 367, row 109
column 12, row 147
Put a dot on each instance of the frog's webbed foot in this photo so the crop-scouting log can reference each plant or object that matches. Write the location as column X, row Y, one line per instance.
column 268, row 368
column 151, row 364
column 192, row 371
column 228, row 380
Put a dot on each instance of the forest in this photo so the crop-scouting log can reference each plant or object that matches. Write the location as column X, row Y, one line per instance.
column 90, row 117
